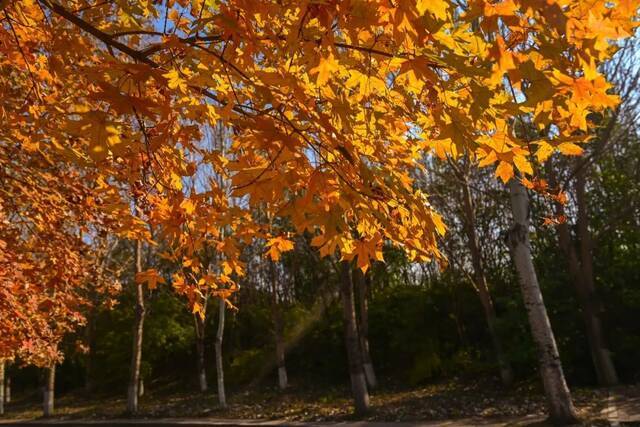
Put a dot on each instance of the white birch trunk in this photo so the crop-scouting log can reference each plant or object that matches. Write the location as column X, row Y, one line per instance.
column 352, row 341
column 222, row 398
column 7, row 388
column 200, row 336
column 49, row 389
column 133, row 392
column 560, row 405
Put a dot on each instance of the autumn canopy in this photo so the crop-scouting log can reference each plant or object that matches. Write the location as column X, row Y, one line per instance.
column 328, row 107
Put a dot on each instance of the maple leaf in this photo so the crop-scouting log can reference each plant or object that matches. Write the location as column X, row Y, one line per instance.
column 277, row 246
column 523, row 164
column 544, row 151
column 528, row 183
column 365, row 251
column 504, row 171
column 439, row 8
column 197, row 309
column 327, row 66
column 151, row 277
column 570, row 149
column 175, row 81
column 175, row 180
column 178, row 283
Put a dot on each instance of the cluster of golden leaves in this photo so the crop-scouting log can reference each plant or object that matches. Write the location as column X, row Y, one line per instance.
column 47, row 205
column 331, row 103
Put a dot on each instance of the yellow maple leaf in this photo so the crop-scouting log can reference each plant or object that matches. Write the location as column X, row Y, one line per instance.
column 187, row 205
column 544, row 151
column 277, row 246
column 570, row 149
column 151, row 277
column 504, row 171
column 197, row 309
column 325, row 68
column 176, row 181
column 487, row 158
column 523, row 164
column 439, row 8
column 175, row 80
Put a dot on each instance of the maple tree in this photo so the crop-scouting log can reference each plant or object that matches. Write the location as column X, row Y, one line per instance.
column 330, row 103
column 45, row 265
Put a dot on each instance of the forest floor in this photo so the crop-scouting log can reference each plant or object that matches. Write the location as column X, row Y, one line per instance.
column 469, row 403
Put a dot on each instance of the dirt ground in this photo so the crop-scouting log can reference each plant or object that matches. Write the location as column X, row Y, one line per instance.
column 483, row 402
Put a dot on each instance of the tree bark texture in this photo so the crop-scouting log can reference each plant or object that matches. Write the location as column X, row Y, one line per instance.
column 7, row 387
column 200, row 340
column 352, row 341
column 591, row 304
column 49, row 391
column 222, row 398
column 482, row 288
column 276, row 315
column 362, row 283
column 559, row 402
column 580, row 264
column 138, row 331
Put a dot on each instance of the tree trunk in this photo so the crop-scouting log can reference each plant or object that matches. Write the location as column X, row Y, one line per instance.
column 222, row 399
column 581, row 273
column 277, row 328
column 362, row 285
column 283, row 381
column 49, row 389
column 560, row 405
column 356, row 371
column 482, row 288
column 90, row 339
column 138, row 329
column 202, row 372
column 7, row 387
column 2, row 385
column 592, row 307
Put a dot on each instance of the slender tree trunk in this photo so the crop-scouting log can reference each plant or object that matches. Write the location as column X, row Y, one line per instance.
column 482, row 288
column 2, row 386
column 222, row 398
column 138, row 329
column 356, row 371
column 90, row 339
column 600, row 355
column 592, row 306
column 278, row 329
column 49, row 389
column 200, row 336
column 141, row 387
column 581, row 273
column 362, row 283
column 7, row 387
column 560, row 405
column 283, row 380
